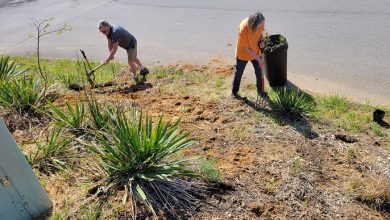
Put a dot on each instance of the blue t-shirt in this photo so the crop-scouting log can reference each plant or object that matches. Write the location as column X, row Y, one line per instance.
column 120, row 35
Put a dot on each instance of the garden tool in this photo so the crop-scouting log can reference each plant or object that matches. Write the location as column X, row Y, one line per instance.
column 91, row 72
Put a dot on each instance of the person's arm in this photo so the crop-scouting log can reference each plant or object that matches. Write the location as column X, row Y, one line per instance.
column 254, row 56
column 109, row 45
column 243, row 41
column 113, row 49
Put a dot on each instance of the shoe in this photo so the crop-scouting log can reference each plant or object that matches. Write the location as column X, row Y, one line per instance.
column 144, row 71
column 238, row 97
column 143, row 79
column 235, row 95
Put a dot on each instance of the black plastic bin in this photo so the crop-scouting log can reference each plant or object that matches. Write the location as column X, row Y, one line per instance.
column 276, row 62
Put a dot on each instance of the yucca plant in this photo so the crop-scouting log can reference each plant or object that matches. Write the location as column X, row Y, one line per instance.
column 9, row 69
column 292, row 101
column 24, row 95
column 137, row 156
column 52, row 154
column 73, row 118
column 99, row 114
column 68, row 79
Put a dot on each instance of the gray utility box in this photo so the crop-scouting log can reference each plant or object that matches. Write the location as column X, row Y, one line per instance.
column 21, row 195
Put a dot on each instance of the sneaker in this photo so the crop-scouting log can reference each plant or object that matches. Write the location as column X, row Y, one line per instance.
column 235, row 95
column 238, row 97
column 144, row 71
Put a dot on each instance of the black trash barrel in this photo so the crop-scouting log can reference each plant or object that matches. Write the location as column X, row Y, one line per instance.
column 276, row 61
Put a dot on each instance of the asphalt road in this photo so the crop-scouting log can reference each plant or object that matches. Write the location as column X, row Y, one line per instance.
column 335, row 47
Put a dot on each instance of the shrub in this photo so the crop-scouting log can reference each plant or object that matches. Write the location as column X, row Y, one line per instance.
column 136, row 155
column 292, row 101
column 9, row 69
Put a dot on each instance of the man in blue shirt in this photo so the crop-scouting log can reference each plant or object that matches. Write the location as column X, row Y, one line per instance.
column 118, row 36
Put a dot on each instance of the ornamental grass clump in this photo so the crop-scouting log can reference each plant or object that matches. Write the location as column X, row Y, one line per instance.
column 292, row 101
column 72, row 119
column 9, row 69
column 139, row 160
column 99, row 114
column 24, row 95
column 52, row 154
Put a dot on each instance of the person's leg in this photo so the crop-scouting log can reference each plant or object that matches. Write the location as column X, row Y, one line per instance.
column 240, row 66
column 132, row 60
column 139, row 63
column 133, row 67
column 259, row 78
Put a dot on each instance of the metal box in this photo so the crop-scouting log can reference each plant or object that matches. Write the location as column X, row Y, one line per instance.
column 21, row 195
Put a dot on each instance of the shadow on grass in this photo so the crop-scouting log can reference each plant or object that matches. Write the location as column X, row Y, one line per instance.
column 300, row 123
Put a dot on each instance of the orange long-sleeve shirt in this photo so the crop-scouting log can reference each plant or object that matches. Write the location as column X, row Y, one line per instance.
column 248, row 39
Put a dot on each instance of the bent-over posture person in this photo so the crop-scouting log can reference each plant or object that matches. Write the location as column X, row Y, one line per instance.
column 119, row 36
column 250, row 33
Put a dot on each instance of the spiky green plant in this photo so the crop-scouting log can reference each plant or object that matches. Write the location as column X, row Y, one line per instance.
column 51, row 154
column 292, row 101
column 9, row 69
column 73, row 118
column 23, row 95
column 99, row 114
column 68, row 79
column 137, row 156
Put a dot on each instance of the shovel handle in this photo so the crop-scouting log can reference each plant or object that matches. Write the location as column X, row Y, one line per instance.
column 94, row 69
column 86, row 59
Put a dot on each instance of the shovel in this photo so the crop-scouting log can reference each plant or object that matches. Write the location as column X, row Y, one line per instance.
column 91, row 72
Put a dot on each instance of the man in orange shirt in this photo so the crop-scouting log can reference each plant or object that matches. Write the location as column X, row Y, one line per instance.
column 250, row 34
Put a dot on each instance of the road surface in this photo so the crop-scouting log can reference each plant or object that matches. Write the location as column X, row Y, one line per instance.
column 335, row 47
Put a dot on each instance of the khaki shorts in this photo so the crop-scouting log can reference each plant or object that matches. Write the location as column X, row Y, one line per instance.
column 132, row 52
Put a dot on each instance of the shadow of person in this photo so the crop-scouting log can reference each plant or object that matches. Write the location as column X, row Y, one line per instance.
column 135, row 88
column 300, row 123
column 129, row 89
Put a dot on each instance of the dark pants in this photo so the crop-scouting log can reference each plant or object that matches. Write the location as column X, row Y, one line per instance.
column 240, row 70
